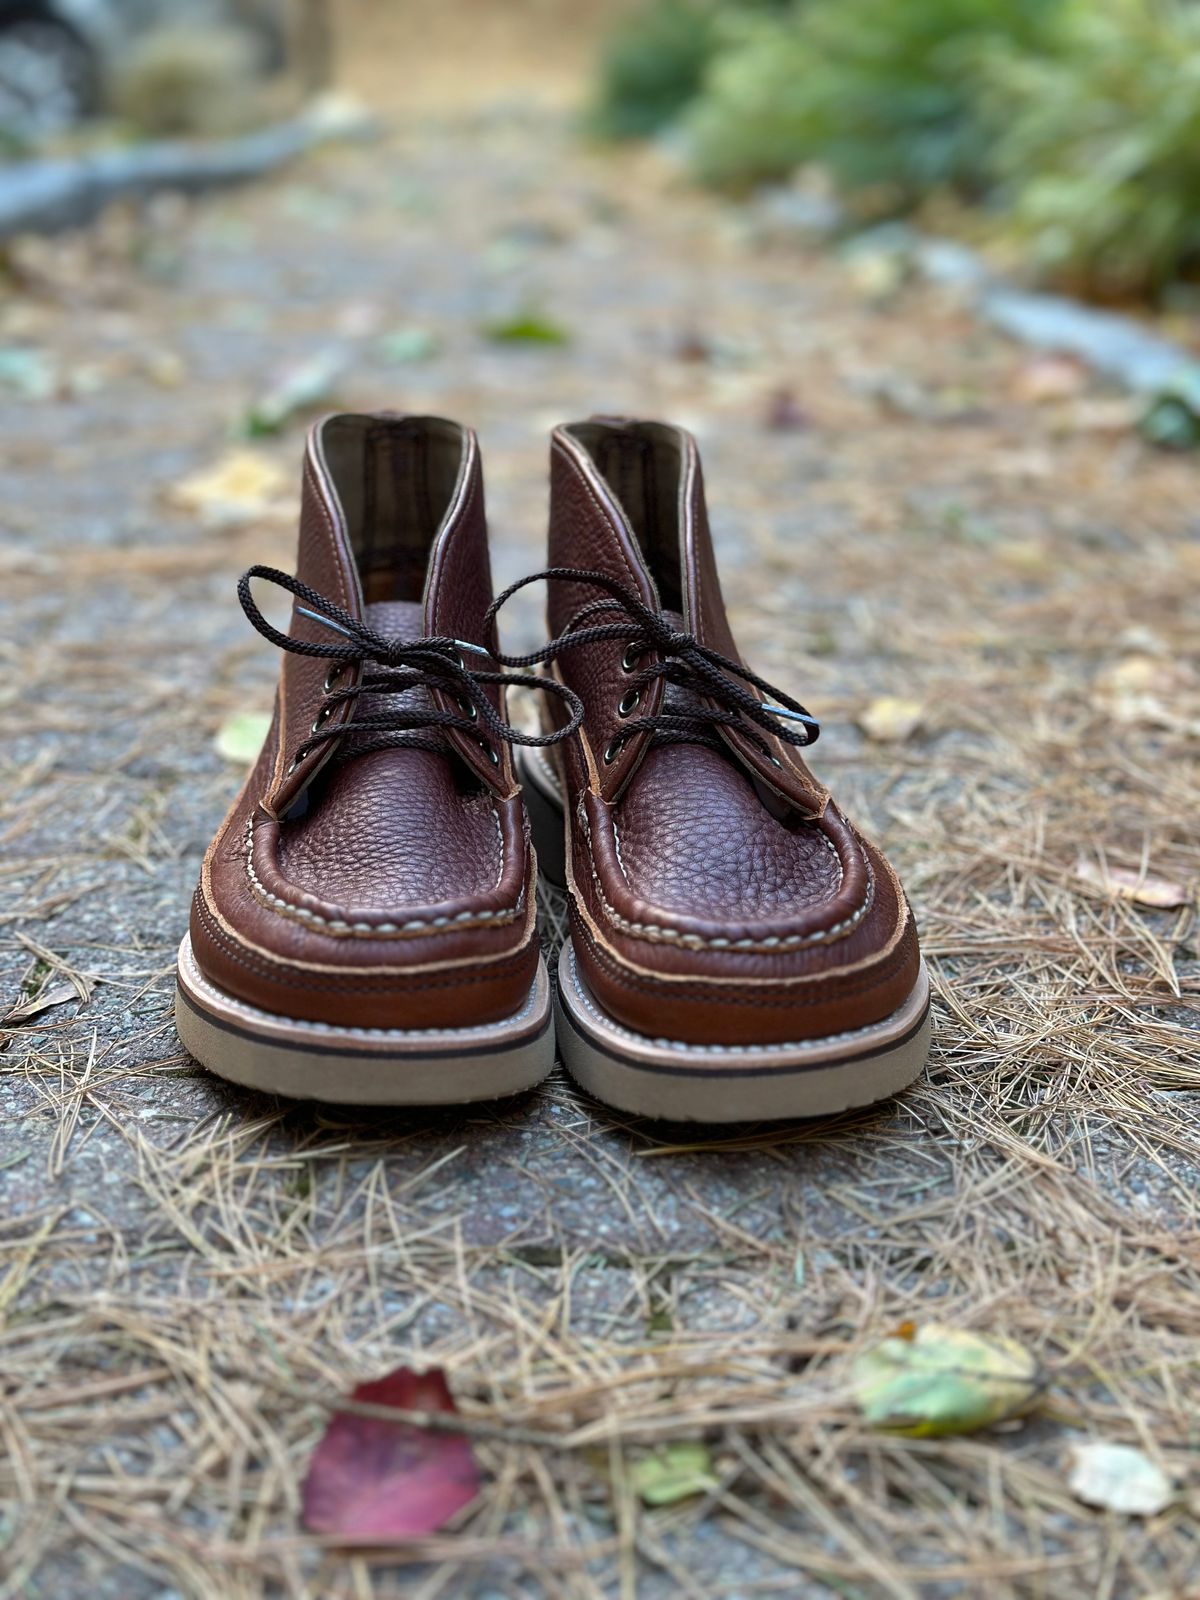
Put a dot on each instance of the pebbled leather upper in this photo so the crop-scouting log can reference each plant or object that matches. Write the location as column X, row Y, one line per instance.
column 385, row 888
column 717, row 896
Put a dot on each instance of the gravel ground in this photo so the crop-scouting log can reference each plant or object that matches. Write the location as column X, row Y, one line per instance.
column 906, row 506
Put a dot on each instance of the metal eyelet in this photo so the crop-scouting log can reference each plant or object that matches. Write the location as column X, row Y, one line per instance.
column 469, row 709
column 628, row 702
column 613, row 751
column 493, row 754
column 323, row 716
column 334, row 673
column 294, row 764
column 775, row 761
column 630, row 659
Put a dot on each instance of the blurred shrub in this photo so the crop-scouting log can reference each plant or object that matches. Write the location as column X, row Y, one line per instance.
column 885, row 93
column 1081, row 118
column 189, row 80
column 655, row 62
column 1100, row 146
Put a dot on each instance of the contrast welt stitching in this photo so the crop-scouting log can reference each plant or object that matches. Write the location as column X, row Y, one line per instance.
column 581, row 997
column 499, row 847
column 376, row 930
column 303, row 1025
column 833, row 987
column 655, row 932
column 285, row 972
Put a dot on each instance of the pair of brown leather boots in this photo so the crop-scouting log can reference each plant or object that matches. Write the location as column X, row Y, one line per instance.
column 365, row 928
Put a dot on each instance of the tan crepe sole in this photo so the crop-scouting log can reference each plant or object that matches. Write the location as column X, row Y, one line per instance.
column 749, row 1083
column 362, row 1066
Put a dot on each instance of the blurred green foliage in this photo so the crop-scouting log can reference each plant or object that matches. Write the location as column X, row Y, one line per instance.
column 1077, row 122
column 655, row 63
column 1098, row 144
column 885, row 93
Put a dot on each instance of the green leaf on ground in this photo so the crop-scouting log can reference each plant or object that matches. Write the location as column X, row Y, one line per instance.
column 240, row 737
column 312, row 383
column 1171, row 423
column 527, row 327
column 405, row 347
column 938, row 1380
column 673, row 1473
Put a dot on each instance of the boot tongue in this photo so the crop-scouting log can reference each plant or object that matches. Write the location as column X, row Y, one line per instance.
column 395, row 619
column 679, row 700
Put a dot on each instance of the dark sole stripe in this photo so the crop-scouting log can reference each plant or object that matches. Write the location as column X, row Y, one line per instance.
column 304, row 1048
column 702, row 1074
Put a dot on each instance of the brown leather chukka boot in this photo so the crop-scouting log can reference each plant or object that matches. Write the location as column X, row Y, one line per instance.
column 364, row 928
column 737, row 949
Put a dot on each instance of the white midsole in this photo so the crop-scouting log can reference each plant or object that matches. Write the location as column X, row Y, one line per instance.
column 377, row 1066
column 668, row 1078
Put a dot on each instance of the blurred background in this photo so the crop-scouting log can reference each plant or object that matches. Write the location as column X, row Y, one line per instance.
column 1063, row 131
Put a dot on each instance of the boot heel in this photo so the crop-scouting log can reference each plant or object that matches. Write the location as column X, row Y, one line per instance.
column 543, row 801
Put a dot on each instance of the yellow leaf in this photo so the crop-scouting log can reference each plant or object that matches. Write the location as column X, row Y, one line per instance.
column 239, row 487
column 1140, row 887
column 945, row 1380
column 889, row 719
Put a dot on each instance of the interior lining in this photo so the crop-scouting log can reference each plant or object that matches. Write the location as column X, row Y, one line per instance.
column 642, row 463
column 396, row 480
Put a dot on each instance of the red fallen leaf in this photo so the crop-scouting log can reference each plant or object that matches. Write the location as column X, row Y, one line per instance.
column 375, row 1479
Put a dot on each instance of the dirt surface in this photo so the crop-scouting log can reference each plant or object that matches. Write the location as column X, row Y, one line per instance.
column 906, row 506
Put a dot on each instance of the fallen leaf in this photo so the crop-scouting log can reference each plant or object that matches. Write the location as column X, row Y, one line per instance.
column 1171, row 423
column 784, row 413
column 164, row 367
column 1104, row 416
column 310, row 384
column 878, row 274
column 1024, row 555
column 673, row 1473
column 937, row 1380
column 57, row 994
column 1050, row 377
column 27, row 372
column 890, row 719
column 692, row 347
column 240, row 737
column 370, row 1478
column 1118, row 1477
column 406, row 346
column 1140, row 887
column 527, row 327
column 238, row 488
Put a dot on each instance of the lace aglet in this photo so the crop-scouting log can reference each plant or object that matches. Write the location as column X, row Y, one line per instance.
column 793, row 716
column 326, row 622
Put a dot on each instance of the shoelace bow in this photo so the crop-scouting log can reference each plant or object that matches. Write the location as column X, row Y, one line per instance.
column 437, row 663
column 403, row 664
column 682, row 660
